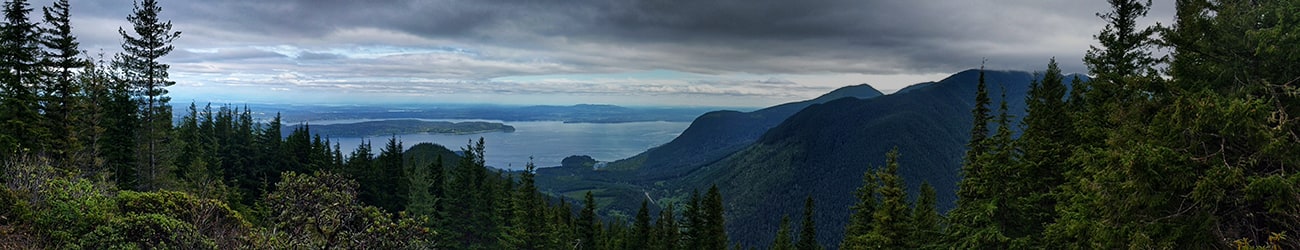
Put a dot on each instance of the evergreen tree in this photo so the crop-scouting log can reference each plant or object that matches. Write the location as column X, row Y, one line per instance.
column 927, row 219
column 140, row 65
column 641, row 232
column 1124, row 47
column 121, row 124
column 713, row 228
column 296, row 151
column 694, row 219
column 808, row 233
column 971, row 223
column 20, row 108
column 860, row 222
column 783, row 239
column 667, row 229
column 1045, row 144
column 95, row 80
column 529, row 212
column 1185, row 161
column 391, row 187
column 563, row 232
column 435, row 178
column 587, row 223
column 474, row 201
column 197, row 157
column 61, row 94
column 893, row 223
column 256, row 179
column 979, row 125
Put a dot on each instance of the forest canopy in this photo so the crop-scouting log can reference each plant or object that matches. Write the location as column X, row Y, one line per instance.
column 1191, row 149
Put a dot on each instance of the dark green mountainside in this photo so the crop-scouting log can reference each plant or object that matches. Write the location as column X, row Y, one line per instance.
column 823, row 151
column 717, row 134
column 623, row 184
column 766, row 161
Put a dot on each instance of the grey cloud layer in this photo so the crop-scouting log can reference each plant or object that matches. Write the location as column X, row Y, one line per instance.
column 742, row 35
column 509, row 38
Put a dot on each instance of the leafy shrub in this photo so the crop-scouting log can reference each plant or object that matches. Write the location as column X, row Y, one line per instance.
column 71, row 209
column 211, row 218
column 12, row 208
column 322, row 210
column 146, row 231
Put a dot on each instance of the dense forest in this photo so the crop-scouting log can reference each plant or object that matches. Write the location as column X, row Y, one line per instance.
column 93, row 159
column 1195, row 148
column 1191, row 150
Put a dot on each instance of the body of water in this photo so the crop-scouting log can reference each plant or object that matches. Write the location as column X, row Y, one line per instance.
column 547, row 142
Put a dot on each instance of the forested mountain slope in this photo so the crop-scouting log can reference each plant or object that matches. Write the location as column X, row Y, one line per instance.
column 823, row 151
column 623, row 184
column 719, row 133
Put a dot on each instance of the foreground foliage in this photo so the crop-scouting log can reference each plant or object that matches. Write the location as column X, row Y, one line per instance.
column 1185, row 151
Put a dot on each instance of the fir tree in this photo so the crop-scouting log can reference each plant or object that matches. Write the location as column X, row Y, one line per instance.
column 893, row 224
column 121, row 124
column 860, row 222
column 95, row 79
column 1172, row 156
column 62, row 91
column 670, row 232
column 435, row 178
column 714, row 227
column 392, row 186
column 783, row 239
column 926, row 217
column 148, row 76
column 1045, row 145
column 971, row 223
column 529, row 211
column 641, row 231
column 808, row 233
column 587, row 223
column 667, row 229
column 695, row 223
column 980, row 123
column 20, row 108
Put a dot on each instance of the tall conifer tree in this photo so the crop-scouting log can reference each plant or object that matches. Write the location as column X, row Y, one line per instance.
column 1046, row 145
column 808, row 231
column 971, row 222
column 587, row 223
column 926, row 217
column 668, row 230
column 140, row 65
column 893, row 223
column 62, row 59
column 714, row 228
column 641, row 233
column 860, row 221
column 783, row 240
column 20, row 108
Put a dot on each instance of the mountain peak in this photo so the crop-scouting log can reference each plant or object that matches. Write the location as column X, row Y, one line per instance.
column 860, row 91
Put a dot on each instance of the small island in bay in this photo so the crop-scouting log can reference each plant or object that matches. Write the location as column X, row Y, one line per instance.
column 405, row 126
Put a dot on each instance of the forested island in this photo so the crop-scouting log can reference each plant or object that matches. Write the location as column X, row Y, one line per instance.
column 1192, row 150
column 404, row 126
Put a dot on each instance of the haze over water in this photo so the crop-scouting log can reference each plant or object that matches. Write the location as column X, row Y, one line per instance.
column 548, row 142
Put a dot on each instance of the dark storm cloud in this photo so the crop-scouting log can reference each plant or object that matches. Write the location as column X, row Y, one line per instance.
column 758, row 36
column 446, row 46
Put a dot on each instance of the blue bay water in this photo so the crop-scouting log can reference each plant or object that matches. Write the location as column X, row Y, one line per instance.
column 547, row 142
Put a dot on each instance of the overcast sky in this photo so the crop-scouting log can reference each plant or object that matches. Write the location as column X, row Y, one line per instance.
column 629, row 52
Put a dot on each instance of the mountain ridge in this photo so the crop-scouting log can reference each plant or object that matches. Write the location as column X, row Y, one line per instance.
column 719, row 133
column 819, row 149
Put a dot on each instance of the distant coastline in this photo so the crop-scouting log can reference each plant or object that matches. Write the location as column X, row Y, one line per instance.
column 404, row 126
